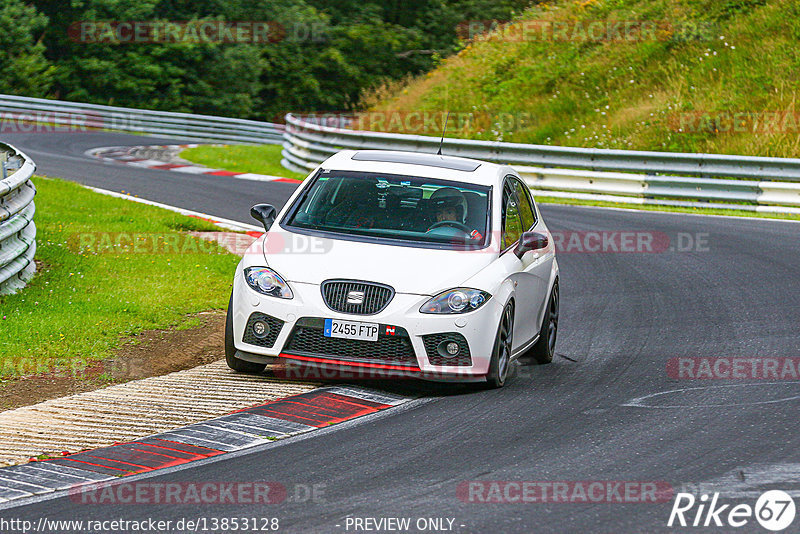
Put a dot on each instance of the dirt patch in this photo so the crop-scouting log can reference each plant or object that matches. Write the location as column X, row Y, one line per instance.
column 151, row 353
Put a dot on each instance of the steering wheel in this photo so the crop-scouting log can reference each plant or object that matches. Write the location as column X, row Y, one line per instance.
column 455, row 224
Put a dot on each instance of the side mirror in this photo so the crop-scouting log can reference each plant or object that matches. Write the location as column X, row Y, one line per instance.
column 529, row 241
column 265, row 214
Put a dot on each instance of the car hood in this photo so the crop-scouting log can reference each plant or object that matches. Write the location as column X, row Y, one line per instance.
column 421, row 271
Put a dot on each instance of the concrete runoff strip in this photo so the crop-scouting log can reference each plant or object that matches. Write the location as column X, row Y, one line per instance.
column 133, row 410
column 248, row 427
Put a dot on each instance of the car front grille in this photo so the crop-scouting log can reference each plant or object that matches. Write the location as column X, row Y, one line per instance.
column 268, row 339
column 354, row 297
column 436, row 356
column 307, row 339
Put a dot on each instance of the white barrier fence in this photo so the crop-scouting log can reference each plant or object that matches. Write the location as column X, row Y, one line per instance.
column 26, row 113
column 719, row 181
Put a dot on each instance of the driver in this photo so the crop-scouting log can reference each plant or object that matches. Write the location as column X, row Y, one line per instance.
column 449, row 204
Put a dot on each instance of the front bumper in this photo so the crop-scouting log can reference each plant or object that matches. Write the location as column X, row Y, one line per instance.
column 295, row 335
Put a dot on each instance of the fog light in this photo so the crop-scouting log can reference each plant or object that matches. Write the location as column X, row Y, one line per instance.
column 260, row 329
column 452, row 348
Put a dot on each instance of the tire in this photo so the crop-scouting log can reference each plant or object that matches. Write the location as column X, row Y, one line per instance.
column 501, row 353
column 545, row 348
column 230, row 350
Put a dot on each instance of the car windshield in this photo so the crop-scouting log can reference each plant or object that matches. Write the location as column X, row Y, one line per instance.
column 393, row 207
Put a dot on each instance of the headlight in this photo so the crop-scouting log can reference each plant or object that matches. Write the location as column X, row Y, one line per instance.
column 268, row 282
column 459, row 300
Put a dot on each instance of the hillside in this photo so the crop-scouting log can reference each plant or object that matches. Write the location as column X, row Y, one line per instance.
column 691, row 75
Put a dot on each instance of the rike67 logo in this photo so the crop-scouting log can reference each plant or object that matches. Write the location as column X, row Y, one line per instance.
column 774, row 510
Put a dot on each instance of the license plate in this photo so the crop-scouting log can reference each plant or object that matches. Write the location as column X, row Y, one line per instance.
column 351, row 330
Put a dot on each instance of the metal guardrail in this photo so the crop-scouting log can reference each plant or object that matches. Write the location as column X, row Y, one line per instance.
column 762, row 184
column 17, row 229
column 25, row 113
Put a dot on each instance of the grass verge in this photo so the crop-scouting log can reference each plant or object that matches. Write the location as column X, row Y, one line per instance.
column 712, row 77
column 94, row 287
column 258, row 159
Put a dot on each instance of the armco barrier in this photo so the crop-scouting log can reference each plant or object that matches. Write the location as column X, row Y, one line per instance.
column 25, row 113
column 694, row 180
column 17, row 229
column 719, row 181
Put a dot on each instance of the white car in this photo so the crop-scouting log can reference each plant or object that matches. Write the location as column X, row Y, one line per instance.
column 398, row 264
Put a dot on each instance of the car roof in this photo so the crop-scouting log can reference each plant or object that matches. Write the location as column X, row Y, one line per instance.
column 467, row 170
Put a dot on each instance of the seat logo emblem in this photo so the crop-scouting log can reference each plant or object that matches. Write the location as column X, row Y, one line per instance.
column 355, row 297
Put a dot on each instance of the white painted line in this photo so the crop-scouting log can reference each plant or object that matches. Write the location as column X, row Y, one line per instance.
column 146, row 163
column 641, row 402
column 192, row 439
column 245, row 429
column 49, row 482
column 268, row 423
column 227, row 431
column 228, row 224
column 213, row 435
column 193, row 169
column 36, row 469
column 9, row 493
column 58, row 469
column 258, row 177
column 33, row 488
column 367, row 394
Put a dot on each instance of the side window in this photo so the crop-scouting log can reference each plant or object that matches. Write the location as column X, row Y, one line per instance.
column 512, row 224
column 525, row 207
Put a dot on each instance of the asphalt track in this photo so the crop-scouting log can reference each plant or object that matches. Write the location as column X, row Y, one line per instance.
column 623, row 316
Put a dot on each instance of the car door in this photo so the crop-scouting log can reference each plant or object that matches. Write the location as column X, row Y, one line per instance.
column 532, row 272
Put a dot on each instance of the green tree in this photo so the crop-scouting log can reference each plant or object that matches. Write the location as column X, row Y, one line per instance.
column 329, row 54
column 23, row 67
